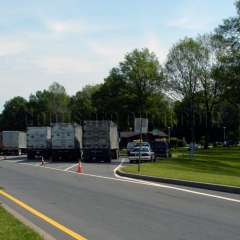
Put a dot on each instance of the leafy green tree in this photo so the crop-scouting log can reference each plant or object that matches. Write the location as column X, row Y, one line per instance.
column 183, row 72
column 228, row 71
column 143, row 75
column 209, row 84
column 14, row 114
column 49, row 105
column 130, row 87
column 81, row 104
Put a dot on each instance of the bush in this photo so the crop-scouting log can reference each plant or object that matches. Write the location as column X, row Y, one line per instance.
column 176, row 142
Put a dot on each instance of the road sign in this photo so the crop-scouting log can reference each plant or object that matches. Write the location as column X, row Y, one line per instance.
column 141, row 122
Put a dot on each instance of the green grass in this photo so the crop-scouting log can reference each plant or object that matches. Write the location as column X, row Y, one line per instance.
column 217, row 165
column 12, row 229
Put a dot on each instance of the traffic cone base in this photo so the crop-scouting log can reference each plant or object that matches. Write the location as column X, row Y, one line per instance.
column 42, row 162
column 80, row 167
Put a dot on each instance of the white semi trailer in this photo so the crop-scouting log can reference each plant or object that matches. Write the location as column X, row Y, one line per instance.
column 38, row 142
column 100, row 141
column 14, row 142
column 66, row 141
column 1, row 142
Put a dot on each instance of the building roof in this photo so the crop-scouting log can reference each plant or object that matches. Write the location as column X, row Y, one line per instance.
column 133, row 134
column 128, row 134
column 159, row 133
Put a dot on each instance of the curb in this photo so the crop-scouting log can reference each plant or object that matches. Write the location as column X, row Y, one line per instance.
column 26, row 222
column 208, row 186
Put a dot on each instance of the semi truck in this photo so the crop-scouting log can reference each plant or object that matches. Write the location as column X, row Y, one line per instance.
column 13, row 142
column 1, row 145
column 100, row 141
column 66, row 142
column 38, row 142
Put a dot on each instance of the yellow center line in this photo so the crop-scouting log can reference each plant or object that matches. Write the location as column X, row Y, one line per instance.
column 43, row 217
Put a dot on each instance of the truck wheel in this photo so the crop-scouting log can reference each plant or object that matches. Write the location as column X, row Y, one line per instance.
column 19, row 152
column 117, row 154
column 108, row 159
column 54, row 157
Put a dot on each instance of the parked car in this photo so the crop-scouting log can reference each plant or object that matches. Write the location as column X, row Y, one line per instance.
column 161, row 148
column 130, row 147
column 145, row 153
column 143, row 144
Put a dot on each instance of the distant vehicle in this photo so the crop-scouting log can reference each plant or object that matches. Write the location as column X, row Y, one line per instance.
column 161, row 148
column 143, row 144
column 13, row 142
column 130, row 147
column 66, row 142
column 100, row 141
column 38, row 142
column 145, row 154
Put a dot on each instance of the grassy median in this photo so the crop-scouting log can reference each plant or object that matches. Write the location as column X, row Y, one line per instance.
column 216, row 165
column 12, row 229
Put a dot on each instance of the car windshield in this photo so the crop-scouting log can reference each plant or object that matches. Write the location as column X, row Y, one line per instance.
column 145, row 144
column 130, row 145
column 142, row 149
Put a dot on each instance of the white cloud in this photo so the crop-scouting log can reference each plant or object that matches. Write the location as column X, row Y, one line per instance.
column 114, row 51
column 77, row 26
column 110, row 53
column 67, row 26
column 68, row 65
column 189, row 23
column 11, row 47
column 154, row 44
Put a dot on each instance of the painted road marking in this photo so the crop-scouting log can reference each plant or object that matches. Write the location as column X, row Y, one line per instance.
column 72, row 166
column 43, row 217
column 141, row 182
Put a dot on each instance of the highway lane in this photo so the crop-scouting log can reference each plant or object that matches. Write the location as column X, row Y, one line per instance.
column 100, row 208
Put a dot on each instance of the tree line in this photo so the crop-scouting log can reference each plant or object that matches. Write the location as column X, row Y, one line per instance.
column 196, row 92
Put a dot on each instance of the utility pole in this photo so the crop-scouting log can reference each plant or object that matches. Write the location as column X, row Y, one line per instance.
column 224, row 135
column 169, row 135
column 139, row 155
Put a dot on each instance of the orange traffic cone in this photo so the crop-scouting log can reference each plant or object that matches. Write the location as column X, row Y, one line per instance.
column 42, row 162
column 79, row 167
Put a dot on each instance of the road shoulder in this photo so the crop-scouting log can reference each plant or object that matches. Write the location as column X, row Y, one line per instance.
column 26, row 222
column 207, row 186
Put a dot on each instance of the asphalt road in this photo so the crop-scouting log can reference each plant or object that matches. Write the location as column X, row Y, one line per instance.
column 106, row 208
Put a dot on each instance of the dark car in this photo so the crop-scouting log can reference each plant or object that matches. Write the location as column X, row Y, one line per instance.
column 161, row 148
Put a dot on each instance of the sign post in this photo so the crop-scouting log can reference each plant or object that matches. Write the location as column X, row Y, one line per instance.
column 140, row 126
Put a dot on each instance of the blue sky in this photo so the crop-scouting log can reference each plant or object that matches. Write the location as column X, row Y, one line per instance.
column 77, row 42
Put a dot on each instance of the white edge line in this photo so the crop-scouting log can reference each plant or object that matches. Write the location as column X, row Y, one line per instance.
column 68, row 168
column 141, row 182
column 169, row 187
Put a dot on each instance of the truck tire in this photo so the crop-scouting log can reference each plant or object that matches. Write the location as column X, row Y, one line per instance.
column 19, row 152
column 108, row 158
column 54, row 157
column 30, row 156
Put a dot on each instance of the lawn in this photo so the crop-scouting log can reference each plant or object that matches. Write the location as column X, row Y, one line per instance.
column 12, row 229
column 216, row 165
